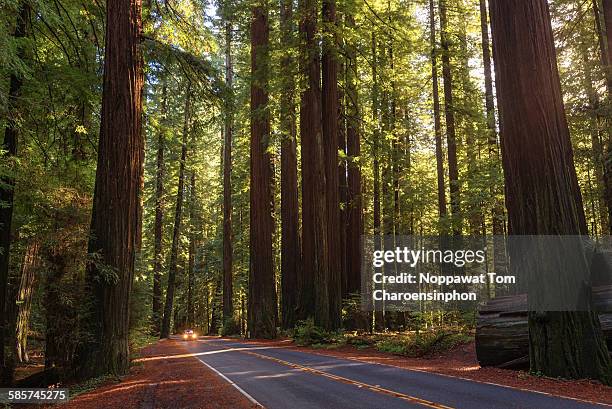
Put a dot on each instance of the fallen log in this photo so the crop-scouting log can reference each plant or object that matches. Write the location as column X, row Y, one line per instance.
column 502, row 335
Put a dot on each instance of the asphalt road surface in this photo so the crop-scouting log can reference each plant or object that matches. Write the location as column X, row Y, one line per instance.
column 276, row 377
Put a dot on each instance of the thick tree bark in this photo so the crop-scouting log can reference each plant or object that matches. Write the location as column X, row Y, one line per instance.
column 353, row 143
column 262, row 292
column 436, row 112
column 228, row 288
column 502, row 331
column 330, row 140
column 178, row 215
column 159, row 218
column 314, row 279
column 7, row 186
column 291, row 257
column 116, row 195
column 449, row 111
column 24, row 297
column 542, row 193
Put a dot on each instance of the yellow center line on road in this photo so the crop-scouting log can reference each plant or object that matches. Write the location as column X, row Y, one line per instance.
column 374, row 388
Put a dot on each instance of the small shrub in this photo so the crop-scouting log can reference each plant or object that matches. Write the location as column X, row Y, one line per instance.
column 140, row 338
column 307, row 333
column 393, row 346
column 230, row 327
column 353, row 317
column 432, row 342
column 422, row 344
column 360, row 341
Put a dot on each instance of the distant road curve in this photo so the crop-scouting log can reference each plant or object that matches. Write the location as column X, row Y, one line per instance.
column 279, row 378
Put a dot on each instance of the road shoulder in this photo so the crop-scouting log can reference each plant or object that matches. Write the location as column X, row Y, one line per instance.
column 165, row 376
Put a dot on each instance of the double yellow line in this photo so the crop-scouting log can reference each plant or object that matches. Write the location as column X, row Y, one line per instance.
column 399, row 395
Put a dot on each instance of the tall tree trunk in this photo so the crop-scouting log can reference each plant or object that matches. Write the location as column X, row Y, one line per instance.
column 449, row 111
column 193, row 226
column 496, row 188
column 605, row 46
column 395, row 147
column 178, row 215
column 378, row 314
column 262, row 293
column 353, row 143
column 315, row 273
column 291, row 257
column 596, row 148
column 330, row 141
column 343, row 186
column 436, row 112
column 543, row 197
column 228, row 288
column 159, row 217
column 116, row 195
column 24, row 297
column 7, row 186
column 468, row 107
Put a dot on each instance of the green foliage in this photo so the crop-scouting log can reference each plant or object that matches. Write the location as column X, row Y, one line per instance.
column 353, row 316
column 230, row 327
column 139, row 339
column 307, row 333
column 423, row 343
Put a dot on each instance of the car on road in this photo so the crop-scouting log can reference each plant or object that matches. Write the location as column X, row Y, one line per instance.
column 189, row 334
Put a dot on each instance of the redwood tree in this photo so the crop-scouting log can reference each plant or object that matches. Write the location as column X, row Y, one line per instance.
column 607, row 17
column 194, row 226
column 228, row 307
column 159, row 218
column 376, row 136
column 353, row 144
column 314, row 300
column 542, row 193
column 114, row 223
column 262, row 293
column 436, row 113
column 7, row 185
column 449, row 111
column 29, row 270
column 330, row 122
column 605, row 45
column 291, row 259
column 178, row 216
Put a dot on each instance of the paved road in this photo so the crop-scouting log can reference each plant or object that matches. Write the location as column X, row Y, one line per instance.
column 284, row 378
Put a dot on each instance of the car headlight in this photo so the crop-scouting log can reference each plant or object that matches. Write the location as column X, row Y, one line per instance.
column 194, row 336
column 185, row 336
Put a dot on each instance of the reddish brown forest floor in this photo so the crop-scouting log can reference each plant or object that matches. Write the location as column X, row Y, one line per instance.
column 165, row 376
column 461, row 362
